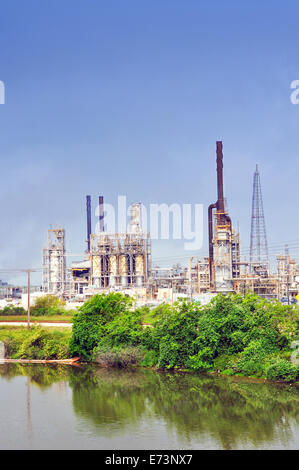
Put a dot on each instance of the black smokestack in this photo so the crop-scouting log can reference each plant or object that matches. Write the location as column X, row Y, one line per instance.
column 220, row 201
column 222, row 217
column 88, row 213
column 101, row 213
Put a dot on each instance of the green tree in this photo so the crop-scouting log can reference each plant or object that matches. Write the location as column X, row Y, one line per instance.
column 173, row 334
column 91, row 319
column 232, row 324
column 48, row 305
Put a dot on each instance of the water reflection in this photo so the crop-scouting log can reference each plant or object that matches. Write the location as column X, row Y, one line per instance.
column 229, row 412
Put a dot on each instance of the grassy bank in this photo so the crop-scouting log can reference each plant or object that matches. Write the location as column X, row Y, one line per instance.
column 39, row 319
column 35, row 343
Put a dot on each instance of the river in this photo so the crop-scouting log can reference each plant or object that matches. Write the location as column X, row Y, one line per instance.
column 85, row 407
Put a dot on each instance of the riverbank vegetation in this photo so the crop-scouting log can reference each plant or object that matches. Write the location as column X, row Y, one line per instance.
column 35, row 343
column 233, row 334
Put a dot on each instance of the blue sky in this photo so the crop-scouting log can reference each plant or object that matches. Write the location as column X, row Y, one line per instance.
column 129, row 97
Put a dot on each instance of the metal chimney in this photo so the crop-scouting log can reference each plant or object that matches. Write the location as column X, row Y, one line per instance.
column 101, row 213
column 220, row 200
column 88, row 213
column 222, row 217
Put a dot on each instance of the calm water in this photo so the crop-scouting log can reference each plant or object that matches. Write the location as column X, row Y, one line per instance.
column 84, row 407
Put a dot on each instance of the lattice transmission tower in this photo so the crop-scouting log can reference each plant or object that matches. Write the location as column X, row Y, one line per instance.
column 259, row 257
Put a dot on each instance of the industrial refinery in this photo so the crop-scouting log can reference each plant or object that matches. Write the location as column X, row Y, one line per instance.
column 123, row 261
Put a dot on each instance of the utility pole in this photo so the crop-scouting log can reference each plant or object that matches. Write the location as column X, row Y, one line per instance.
column 28, row 271
column 172, row 292
column 28, row 314
column 287, row 261
column 190, row 279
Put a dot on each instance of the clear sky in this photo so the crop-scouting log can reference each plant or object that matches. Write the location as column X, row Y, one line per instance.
column 129, row 97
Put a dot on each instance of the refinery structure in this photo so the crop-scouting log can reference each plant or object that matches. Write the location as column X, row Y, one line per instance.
column 123, row 261
column 113, row 261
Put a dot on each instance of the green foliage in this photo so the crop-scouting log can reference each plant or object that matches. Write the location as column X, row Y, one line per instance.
column 243, row 330
column 32, row 345
column 286, row 318
column 120, row 338
column 200, row 361
column 124, row 329
column 91, row 319
column 13, row 310
column 251, row 361
column 147, row 314
column 233, row 333
column 230, row 323
column 36, row 343
column 122, row 356
column 221, row 363
column 160, row 312
column 47, row 305
column 169, row 353
column 281, row 369
column 150, row 358
column 173, row 334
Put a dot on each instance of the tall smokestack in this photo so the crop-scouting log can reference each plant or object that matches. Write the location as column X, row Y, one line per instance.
column 88, row 213
column 220, row 200
column 222, row 217
column 101, row 213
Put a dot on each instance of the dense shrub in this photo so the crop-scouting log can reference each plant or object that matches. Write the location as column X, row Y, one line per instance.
column 150, row 358
column 13, row 310
column 122, row 356
column 281, row 369
column 233, row 333
column 173, row 334
column 285, row 317
column 47, row 305
column 120, row 338
column 90, row 321
column 244, row 329
column 124, row 329
column 232, row 323
column 36, row 343
column 252, row 360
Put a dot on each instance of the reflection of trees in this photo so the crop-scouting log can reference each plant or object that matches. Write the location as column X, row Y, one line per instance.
column 232, row 411
column 229, row 410
column 41, row 375
column 194, row 406
column 109, row 397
